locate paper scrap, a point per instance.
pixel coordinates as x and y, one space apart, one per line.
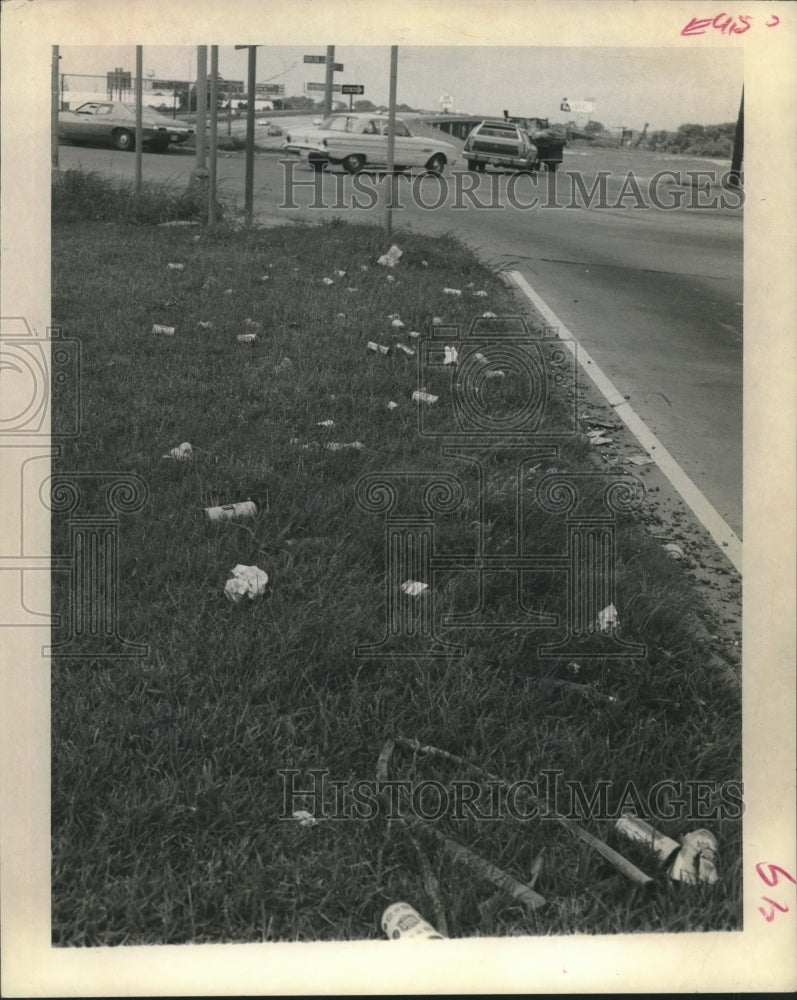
424 397
379 348
452 291
480 294
640 460
182 452
488 315
397 324
414 587
247 338
450 356
175 267
304 818
407 350
168 330
392 406
391 258
328 281
325 423
246 581
205 324
352 445
607 619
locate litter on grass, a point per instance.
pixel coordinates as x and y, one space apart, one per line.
640 460
424 397
407 350
175 267
697 859
437 320
638 830
181 453
328 281
415 334
325 423
205 324
349 446
424 263
228 291
340 274
304 818
232 511
607 619
674 551
352 290
397 324
392 406
378 348
413 588
450 357
390 278
402 921
598 438
480 357
452 291
246 581
495 373
363 267
488 315
265 277
246 338
480 295
391 258
167 330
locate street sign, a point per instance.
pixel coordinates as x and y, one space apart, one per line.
313 87
315 59
352 88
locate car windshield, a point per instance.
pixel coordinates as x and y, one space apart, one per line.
94 109
338 123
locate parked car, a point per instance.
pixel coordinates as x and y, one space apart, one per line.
549 140
359 140
115 122
500 144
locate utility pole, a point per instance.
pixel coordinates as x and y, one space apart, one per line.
139 113
734 177
329 78
391 140
199 175
250 131
54 109
214 132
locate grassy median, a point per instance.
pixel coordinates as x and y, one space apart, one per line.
167 801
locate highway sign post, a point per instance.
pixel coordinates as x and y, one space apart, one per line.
331 68
250 130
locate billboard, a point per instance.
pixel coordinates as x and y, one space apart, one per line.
585 106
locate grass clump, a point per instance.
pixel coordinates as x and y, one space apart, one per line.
81 195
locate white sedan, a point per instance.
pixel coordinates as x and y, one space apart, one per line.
359 140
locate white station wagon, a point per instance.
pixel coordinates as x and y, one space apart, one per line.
359 141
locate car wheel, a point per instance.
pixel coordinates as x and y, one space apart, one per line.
124 140
436 163
354 163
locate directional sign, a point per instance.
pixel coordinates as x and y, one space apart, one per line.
315 59
352 88
312 87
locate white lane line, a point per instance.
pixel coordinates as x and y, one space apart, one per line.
708 516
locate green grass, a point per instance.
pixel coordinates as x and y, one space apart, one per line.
165 789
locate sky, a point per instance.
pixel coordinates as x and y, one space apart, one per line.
663 86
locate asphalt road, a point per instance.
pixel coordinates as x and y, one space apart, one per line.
654 295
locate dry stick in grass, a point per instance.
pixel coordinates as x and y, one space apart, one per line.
620 863
483 868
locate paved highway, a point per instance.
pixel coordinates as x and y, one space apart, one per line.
655 296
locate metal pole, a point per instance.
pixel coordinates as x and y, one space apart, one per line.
229 112
139 112
329 78
391 139
54 108
214 132
250 135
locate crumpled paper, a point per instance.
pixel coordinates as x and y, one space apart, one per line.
391 258
414 588
246 581
181 453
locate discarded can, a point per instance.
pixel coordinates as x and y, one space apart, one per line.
247 338
232 511
480 295
175 267
328 281
400 920
407 350
637 829
451 357
424 397
168 330
347 446
325 423
452 291
697 859
379 348
673 551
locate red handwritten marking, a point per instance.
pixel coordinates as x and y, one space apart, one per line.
772 879
724 23
769 917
